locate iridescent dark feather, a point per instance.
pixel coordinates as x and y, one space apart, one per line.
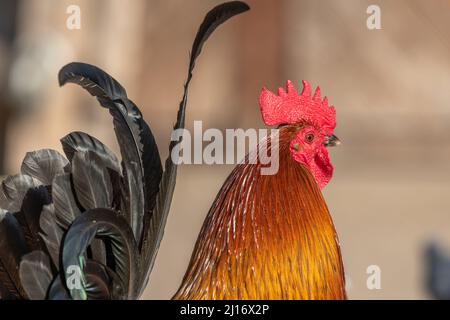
80 141
36 275
90 212
91 181
44 165
30 214
51 233
155 226
66 207
14 189
102 223
137 145
102 283
12 248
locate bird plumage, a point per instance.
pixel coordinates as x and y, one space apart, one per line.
89 226
267 237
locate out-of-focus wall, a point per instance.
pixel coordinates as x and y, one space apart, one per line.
390 89
8 23
389 86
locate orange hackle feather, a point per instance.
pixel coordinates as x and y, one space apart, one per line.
267 237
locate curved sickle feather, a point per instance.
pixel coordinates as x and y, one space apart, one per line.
102 283
154 228
101 223
143 169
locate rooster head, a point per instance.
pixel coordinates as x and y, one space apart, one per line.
314 121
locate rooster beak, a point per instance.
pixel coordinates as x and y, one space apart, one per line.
332 141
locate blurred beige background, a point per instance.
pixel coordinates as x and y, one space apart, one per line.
391 189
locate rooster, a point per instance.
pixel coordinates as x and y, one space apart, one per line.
88 226
271 236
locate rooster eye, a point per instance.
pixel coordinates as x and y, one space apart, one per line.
309 137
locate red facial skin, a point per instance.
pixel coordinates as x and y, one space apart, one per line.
308 149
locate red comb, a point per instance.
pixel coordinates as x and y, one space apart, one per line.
288 107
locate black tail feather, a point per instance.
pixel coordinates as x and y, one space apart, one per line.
66 206
92 212
102 223
51 233
36 274
12 248
155 227
140 154
80 141
44 165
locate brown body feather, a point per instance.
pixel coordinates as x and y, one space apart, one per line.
267 237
